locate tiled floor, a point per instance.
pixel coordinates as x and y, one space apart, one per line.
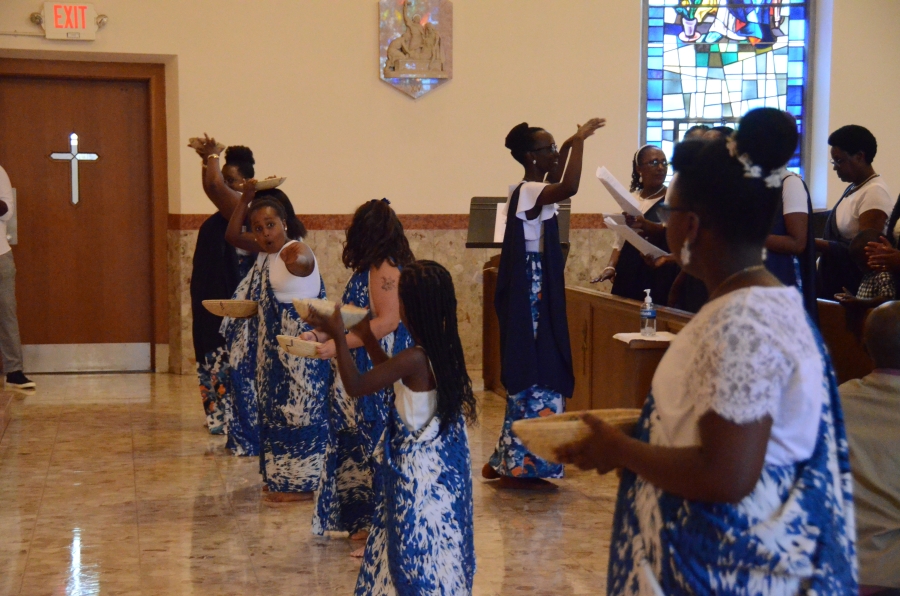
109 484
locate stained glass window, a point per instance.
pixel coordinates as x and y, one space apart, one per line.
710 61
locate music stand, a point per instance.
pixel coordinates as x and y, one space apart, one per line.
483 214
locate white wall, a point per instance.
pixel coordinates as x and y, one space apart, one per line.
298 82
865 81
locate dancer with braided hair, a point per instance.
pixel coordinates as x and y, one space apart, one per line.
421 540
535 357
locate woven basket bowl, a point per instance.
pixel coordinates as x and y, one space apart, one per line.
297 346
543 436
236 309
351 314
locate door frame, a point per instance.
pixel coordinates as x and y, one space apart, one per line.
155 77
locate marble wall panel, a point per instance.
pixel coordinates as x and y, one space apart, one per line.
588 255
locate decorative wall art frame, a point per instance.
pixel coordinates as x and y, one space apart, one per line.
415 44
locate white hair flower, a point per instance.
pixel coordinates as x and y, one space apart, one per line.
750 170
773 180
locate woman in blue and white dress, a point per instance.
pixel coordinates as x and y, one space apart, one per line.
376 250
292 391
737 479
535 357
421 540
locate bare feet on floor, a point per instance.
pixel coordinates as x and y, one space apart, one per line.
270 496
513 483
361 535
358 553
488 472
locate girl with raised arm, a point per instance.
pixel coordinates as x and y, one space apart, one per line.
215 275
421 540
536 361
292 391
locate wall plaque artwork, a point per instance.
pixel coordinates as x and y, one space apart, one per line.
416 44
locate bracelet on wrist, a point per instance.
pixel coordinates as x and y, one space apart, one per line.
316 335
609 267
212 155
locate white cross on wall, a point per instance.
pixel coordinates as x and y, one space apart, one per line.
74 157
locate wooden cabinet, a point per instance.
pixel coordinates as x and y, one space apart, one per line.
608 374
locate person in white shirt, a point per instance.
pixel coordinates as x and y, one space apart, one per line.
292 392
865 204
10 343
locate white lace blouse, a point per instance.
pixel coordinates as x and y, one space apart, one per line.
744 355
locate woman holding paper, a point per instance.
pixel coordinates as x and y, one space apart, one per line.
627 269
536 362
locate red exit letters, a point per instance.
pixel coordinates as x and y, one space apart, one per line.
69 16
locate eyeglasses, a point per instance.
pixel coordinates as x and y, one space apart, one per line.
837 162
664 211
552 148
656 163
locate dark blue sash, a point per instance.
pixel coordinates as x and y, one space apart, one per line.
526 360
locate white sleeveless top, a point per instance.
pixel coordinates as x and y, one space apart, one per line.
288 286
416 408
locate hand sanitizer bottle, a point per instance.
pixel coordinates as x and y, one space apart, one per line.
648 316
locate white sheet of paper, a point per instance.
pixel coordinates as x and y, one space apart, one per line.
627 202
661 336
642 245
500 223
616 217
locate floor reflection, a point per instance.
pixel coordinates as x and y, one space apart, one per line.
110 484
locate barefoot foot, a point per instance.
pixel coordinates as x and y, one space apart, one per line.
513 483
358 553
488 472
271 496
361 535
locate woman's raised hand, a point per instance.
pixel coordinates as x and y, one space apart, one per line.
590 127
249 191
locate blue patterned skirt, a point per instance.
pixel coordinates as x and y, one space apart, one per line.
421 541
213 375
241 411
345 501
293 398
793 534
511 458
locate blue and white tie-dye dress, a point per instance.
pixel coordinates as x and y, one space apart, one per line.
293 397
345 501
241 340
421 539
748 354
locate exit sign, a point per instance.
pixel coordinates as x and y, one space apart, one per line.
72 22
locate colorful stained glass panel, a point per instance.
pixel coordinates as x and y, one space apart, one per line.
710 61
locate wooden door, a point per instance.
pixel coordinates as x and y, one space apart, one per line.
84 279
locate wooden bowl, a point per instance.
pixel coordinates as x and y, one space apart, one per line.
297 346
351 314
269 183
543 436
236 309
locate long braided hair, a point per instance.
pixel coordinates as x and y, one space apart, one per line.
429 305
